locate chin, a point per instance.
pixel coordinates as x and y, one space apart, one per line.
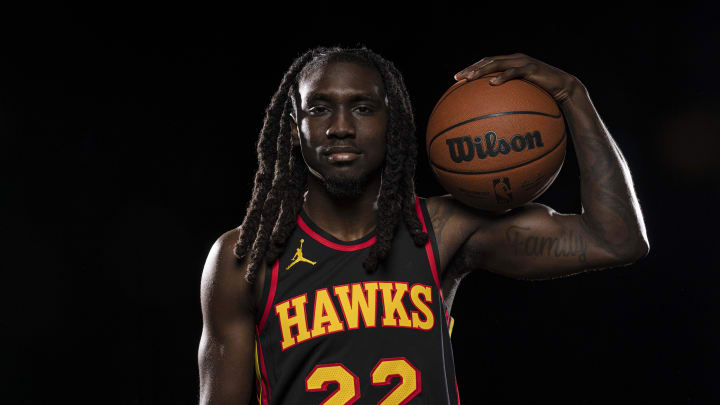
345 187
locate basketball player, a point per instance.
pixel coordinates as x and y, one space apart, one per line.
338 285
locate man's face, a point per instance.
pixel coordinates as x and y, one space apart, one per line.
341 122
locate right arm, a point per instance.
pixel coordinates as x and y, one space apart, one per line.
226 353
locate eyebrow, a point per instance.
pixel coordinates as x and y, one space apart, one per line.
353 98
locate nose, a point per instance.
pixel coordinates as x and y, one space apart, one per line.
341 126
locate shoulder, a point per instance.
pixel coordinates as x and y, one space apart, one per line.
453 223
446 210
221 257
223 284
222 268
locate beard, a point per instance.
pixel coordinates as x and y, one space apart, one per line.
345 187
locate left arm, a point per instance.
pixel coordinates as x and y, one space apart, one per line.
534 241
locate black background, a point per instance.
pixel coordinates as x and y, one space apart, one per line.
127 144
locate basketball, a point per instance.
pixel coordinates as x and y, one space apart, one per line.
496 147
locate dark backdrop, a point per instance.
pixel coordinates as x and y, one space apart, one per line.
127 144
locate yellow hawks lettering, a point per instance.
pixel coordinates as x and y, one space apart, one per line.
357 305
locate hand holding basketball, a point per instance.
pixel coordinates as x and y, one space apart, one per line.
559 84
496 147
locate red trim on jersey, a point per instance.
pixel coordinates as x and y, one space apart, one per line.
263 371
333 245
457 391
428 247
271 295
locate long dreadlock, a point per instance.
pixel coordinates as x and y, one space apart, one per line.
280 182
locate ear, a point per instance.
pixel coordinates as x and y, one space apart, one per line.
294 134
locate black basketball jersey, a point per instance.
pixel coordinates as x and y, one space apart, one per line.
331 333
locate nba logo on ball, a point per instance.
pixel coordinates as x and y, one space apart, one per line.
482 138
503 193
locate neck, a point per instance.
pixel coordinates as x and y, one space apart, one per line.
347 219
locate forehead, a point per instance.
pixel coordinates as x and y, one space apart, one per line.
341 79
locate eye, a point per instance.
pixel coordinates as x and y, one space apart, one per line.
317 109
364 109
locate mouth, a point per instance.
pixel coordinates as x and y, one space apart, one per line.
343 157
342 153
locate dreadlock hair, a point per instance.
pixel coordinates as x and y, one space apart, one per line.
280 182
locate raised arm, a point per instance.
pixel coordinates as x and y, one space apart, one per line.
534 241
226 352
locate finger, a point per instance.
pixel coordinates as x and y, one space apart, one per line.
493 66
482 63
488 59
519 72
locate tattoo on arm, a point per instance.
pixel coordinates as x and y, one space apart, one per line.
524 243
439 216
611 211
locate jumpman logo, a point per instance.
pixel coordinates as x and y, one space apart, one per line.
299 257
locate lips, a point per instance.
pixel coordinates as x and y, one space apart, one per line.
342 153
331 150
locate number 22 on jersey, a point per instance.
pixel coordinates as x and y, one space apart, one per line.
348 390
